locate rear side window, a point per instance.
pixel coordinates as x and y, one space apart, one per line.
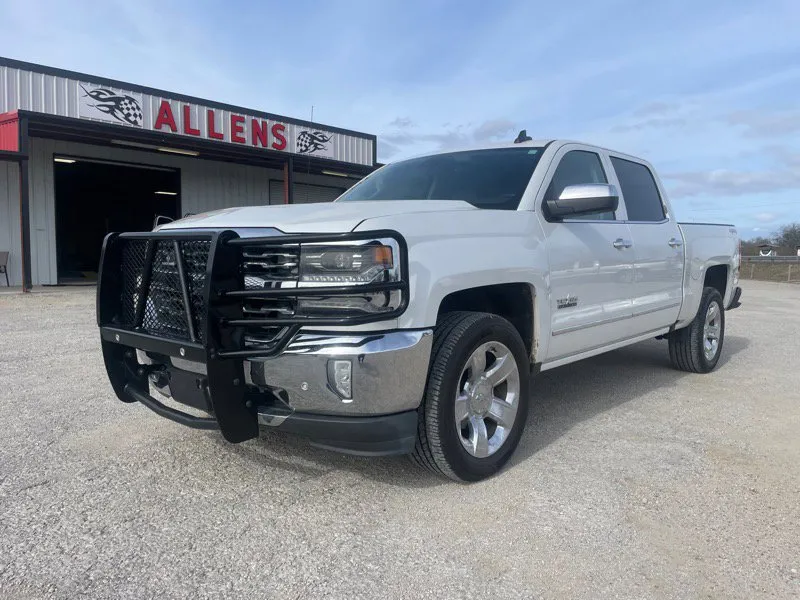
639 191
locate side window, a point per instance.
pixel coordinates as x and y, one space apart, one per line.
639 190
579 167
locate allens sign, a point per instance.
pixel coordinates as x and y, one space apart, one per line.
76 96
171 116
262 132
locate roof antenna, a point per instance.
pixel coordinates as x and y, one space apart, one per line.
523 137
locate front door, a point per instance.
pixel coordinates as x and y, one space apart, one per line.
591 264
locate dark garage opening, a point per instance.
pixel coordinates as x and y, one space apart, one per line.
94 198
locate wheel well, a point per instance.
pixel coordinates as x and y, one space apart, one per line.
512 301
717 277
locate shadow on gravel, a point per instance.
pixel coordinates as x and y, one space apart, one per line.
281 451
569 395
561 399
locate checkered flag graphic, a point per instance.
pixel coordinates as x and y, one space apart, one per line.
123 108
309 142
131 111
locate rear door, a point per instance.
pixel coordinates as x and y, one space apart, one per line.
658 251
591 262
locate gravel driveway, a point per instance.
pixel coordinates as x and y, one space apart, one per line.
631 481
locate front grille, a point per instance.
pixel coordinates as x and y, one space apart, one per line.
133 257
195 260
164 311
268 268
157 284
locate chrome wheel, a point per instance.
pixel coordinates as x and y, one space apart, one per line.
487 399
711 331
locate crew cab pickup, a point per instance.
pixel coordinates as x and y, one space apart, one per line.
409 316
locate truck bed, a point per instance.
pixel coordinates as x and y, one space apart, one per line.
706 244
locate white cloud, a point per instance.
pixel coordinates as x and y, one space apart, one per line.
663 122
732 183
762 124
404 139
402 123
658 108
493 129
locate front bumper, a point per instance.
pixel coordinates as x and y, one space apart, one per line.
291 392
388 372
181 318
381 435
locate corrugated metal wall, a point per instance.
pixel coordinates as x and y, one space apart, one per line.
308 194
9 219
37 92
205 185
22 89
43 212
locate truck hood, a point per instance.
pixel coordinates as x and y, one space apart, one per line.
313 218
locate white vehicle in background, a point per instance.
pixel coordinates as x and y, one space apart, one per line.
410 315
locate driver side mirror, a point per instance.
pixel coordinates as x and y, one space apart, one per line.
583 199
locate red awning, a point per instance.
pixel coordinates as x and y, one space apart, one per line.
9 132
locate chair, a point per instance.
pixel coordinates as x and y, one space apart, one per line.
4 265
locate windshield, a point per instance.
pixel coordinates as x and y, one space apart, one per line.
494 178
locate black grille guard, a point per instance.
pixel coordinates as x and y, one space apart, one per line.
217 336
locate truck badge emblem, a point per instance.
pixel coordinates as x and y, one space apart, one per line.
567 302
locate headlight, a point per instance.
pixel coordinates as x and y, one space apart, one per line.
350 264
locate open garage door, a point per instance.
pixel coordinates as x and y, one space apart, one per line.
304 193
95 197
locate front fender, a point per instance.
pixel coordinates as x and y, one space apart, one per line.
449 252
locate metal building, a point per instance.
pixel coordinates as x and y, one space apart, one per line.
82 155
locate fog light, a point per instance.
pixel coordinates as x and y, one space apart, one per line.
340 378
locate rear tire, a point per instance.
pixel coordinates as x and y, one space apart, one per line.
476 397
697 347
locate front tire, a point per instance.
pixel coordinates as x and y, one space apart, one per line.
476 398
697 347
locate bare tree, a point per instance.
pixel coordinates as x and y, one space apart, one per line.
788 237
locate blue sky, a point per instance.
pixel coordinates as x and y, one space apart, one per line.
706 90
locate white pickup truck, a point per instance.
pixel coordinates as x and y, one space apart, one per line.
410 315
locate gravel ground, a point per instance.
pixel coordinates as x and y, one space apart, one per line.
632 481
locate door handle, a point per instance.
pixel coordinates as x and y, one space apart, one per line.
619 243
675 243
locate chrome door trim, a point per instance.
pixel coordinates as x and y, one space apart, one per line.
563 359
655 310
614 319
572 328
661 222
